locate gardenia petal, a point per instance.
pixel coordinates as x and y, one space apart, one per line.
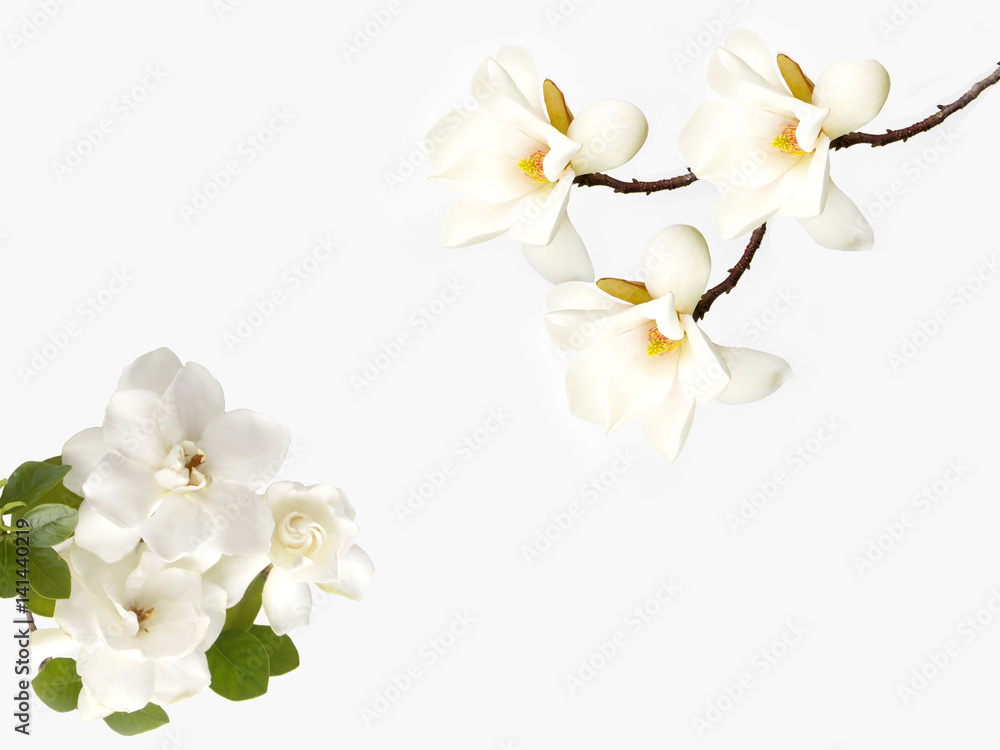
355 571
287 604
841 226
190 403
854 92
754 374
100 536
178 679
82 453
244 446
243 521
123 491
116 679
131 427
563 259
234 573
677 262
666 427
151 372
610 132
179 527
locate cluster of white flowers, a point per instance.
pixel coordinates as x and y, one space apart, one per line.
172 531
767 142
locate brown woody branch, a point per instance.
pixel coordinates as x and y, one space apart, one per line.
742 265
635 186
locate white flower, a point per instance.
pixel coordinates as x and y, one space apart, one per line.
515 159
769 141
648 357
143 628
171 467
312 543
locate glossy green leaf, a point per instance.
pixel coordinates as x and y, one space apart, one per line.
8 568
48 573
242 614
50 524
41 606
239 667
144 720
282 656
31 480
58 685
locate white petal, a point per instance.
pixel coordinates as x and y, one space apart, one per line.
121 490
49 643
96 534
754 374
702 371
749 47
813 175
841 226
519 64
287 604
537 216
563 259
810 125
177 679
354 571
82 452
577 295
610 132
470 221
854 92
132 429
192 400
666 427
746 162
243 521
115 679
741 210
715 121
488 176
151 372
463 130
234 573
178 527
639 386
677 262
588 378
589 309
731 78
89 710
244 446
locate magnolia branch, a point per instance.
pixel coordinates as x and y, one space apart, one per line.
742 265
943 113
635 186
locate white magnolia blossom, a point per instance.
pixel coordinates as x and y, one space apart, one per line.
143 627
312 543
768 139
172 467
515 158
649 358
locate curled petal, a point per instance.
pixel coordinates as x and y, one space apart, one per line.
287 604
82 453
677 262
538 216
563 259
519 64
854 92
754 374
610 132
666 427
841 226
470 221
151 372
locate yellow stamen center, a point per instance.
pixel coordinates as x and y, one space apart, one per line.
533 166
787 143
659 344
142 615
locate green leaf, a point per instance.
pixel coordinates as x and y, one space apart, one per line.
282 656
48 573
9 507
41 606
58 685
57 495
50 524
242 614
31 480
238 664
144 720
8 566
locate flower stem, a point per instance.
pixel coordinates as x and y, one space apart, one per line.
943 113
635 186
742 265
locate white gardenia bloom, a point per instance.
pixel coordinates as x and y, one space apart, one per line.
172 467
515 158
312 543
650 358
143 627
768 139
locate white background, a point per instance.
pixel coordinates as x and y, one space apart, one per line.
356 123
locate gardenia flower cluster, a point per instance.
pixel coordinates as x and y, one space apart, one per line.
172 530
767 142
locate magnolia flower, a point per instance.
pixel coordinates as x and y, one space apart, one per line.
143 627
515 160
644 355
171 467
312 543
768 140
